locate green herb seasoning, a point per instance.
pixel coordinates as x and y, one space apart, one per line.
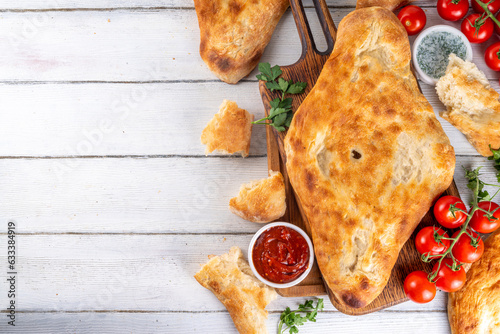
434 49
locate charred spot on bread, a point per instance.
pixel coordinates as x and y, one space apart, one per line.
356 155
351 300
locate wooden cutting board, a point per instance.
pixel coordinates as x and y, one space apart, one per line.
307 69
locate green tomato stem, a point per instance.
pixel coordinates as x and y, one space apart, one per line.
487 11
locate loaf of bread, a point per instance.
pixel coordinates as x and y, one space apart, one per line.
472 106
234 34
230 278
261 201
389 4
229 131
475 309
366 156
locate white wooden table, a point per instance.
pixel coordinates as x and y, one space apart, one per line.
102 104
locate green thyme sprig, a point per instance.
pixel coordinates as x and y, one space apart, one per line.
281 113
305 312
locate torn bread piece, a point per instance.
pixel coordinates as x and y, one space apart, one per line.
231 280
473 107
234 34
475 309
261 201
229 131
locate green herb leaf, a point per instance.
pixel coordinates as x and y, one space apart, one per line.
280 119
276 103
297 88
283 84
266 73
277 111
272 86
292 319
275 72
496 158
286 103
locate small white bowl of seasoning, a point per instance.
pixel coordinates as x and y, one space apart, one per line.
431 50
281 255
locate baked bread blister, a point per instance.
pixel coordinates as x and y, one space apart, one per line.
261 201
473 107
229 131
475 309
366 156
230 278
234 34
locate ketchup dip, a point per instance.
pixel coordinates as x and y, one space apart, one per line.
280 254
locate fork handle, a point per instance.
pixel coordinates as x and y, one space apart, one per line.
327 25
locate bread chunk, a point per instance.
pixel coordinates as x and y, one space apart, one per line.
366 156
231 280
473 107
234 34
229 131
475 309
261 201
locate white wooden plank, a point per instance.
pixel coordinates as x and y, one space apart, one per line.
134 119
110 4
174 195
118 119
132 45
216 323
57 273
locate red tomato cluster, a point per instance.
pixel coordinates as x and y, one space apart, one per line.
477 27
466 247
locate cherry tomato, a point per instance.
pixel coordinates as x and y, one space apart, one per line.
426 243
453 10
443 214
418 288
493 7
497 28
413 19
482 224
482 34
447 279
464 251
492 56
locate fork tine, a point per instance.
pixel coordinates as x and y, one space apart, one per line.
303 28
326 24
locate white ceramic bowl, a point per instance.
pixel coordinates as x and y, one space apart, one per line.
298 279
422 76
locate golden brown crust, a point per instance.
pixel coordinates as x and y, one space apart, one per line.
261 201
366 155
229 131
388 4
475 309
473 107
230 278
234 33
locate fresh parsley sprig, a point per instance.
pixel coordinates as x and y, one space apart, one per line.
281 113
496 159
289 320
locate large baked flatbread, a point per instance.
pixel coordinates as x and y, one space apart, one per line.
475 309
234 33
366 156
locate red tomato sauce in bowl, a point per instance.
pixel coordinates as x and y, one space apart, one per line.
280 254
